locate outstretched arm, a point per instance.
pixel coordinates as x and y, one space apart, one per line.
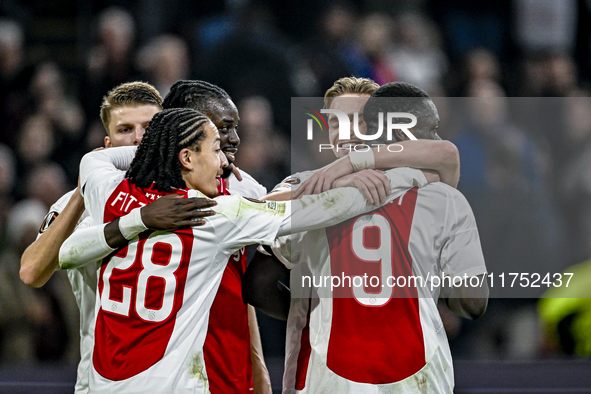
441 156
337 205
168 213
41 258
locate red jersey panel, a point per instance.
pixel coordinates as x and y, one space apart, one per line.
386 348
227 345
123 331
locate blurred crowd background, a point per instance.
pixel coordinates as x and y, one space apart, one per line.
530 186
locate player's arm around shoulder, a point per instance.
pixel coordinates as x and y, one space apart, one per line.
96 166
244 220
91 242
438 155
462 257
41 258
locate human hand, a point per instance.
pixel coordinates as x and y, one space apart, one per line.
374 184
173 212
323 179
236 173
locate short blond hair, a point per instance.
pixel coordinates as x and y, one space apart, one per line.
128 94
349 85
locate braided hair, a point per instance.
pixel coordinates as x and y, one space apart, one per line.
199 95
157 158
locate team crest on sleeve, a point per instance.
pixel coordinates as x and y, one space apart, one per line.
47 221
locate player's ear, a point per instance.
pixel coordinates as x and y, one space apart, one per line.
108 142
185 159
400 136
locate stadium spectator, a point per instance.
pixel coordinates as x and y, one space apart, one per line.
111 61
258 128
164 60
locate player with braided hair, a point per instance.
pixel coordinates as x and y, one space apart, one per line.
214 102
194 94
154 162
155 292
125 112
233 328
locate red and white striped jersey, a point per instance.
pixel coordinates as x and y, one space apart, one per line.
154 295
376 337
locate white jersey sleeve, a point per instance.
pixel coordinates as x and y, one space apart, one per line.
461 253
100 171
337 205
55 210
247 187
85 245
96 166
245 221
292 182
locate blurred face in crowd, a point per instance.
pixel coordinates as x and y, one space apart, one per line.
349 103
128 124
224 116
